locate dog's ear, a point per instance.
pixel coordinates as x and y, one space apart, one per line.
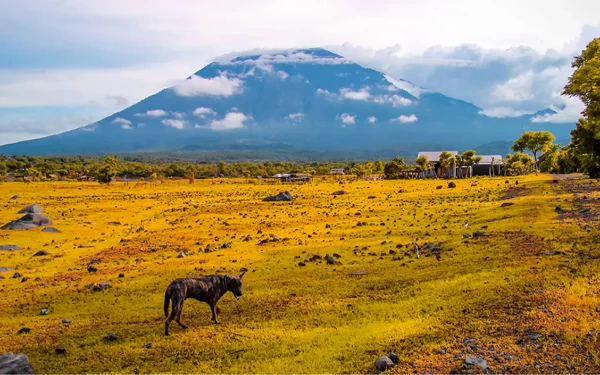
242 274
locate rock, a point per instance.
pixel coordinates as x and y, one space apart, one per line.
476 361
92 269
140 229
559 210
506 182
329 259
100 287
506 204
394 357
60 350
121 275
15 364
451 185
181 255
148 346
383 363
29 221
554 252
473 184
285 196
534 335
15 197
4 269
301 264
111 337
17 275
9 247
439 187
31 209
24 330
340 192
66 322
41 253
50 230
226 245
466 235
478 234
114 222
248 238
440 352
371 197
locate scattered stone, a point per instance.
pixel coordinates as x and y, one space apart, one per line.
44 311
248 238
478 234
371 197
439 187
440 352
283 196
111 337
451 185
29 221
15 364
506 182
51 230
473 184
92 269
466 235
554 252
31 209
9 247
60 350
394 357
301 264
559 210
329 259
383 363
476 361
340 192
114 222
226 245
148 345
4 269
506 204
66 322
121 275
41 253
140 229
17 275
15 197
534 335
24 330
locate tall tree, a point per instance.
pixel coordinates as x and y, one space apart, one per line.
423 163
535 142
584 84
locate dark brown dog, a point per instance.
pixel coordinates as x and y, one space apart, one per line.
207 289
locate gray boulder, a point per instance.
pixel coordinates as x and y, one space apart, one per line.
32 209
41 253
383 363
9 247
285 196
51 230
29 221
340 192
15 364
476 361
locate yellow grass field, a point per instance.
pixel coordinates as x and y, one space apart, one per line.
525 297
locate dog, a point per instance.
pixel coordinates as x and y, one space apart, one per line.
207 289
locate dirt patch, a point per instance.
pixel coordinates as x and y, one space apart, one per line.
514 192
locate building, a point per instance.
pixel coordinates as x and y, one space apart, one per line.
337 171
292 177
436 169
490 165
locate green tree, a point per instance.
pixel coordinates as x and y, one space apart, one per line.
108 171
423 163
535 142
446 160
394 168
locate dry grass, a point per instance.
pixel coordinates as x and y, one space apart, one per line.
314 319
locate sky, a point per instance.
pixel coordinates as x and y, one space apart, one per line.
69 63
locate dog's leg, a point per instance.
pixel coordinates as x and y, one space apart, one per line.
218 310
178 318
214 309
176 308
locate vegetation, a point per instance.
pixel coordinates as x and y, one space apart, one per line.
535 142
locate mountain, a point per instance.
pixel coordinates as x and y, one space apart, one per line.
308 99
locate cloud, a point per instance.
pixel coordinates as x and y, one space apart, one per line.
121 121
152 113
502 112
177 124
296 117
518 88
216 86
406 119
326 93
178 115
401 84
372 119
568 112
231 121
395 100
279 56
346 119
117 100
202 112
283 75
126 127
362 94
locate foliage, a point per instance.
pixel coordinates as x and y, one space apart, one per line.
423 163
535 142
393 169
584 84
518 163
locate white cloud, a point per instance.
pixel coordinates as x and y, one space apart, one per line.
502 112
406 119
283 75
177 124
346 119
275 56
296 117
518 88
568 112
152 113
326 93
372 119
202 112
395 100
409 87
362 94
121 121
126 127
231 121
178 115
216 86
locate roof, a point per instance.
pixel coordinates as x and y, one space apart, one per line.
435 155
487 159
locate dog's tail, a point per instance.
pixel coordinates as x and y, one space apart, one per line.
167 301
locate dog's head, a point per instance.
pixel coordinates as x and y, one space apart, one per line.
234 285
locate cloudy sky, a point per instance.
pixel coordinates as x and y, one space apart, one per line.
69 63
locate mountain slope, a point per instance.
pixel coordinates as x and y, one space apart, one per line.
304 99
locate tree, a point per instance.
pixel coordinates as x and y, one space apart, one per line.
423 163
535 142
446 160
394 168
108 171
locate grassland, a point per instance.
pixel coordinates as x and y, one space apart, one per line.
489 297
